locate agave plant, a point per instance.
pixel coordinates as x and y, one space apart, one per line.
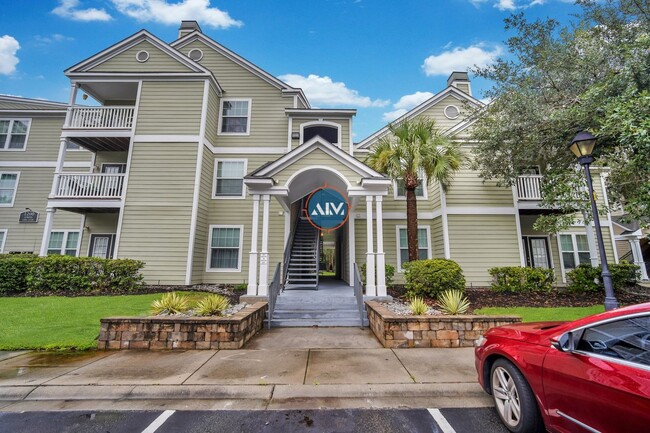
170 303
212 305
453 302
418 306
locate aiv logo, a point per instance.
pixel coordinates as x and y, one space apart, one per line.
326 208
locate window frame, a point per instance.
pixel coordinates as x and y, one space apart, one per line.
64 242
425 190
528 252
399 255
13 199
241 247
327 123
215 180
248 116
575 251
3 241
4 147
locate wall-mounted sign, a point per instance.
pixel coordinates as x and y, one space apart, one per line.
29 216
327 208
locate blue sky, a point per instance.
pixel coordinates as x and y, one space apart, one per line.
381 57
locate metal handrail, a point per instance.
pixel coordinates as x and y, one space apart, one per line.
318 252
287 254
274 290
358 291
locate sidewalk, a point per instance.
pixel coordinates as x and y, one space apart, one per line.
284 368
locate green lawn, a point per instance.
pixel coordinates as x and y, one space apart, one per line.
54 322
532 314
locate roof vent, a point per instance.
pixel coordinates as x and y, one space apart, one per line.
460 80
188 27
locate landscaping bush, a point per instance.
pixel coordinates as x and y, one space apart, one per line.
68 275
388 269
453 302
586 278
430 277
518 279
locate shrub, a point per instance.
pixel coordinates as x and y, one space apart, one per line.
14 269
586 278
241 287
418 306
519 279
388 269
430 277
212 305
453 302
170 303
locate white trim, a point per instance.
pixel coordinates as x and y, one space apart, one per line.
351 141
522 252
399 256
574 242
250 150
351 247
4 146
609 219
425 191
317 167
249 118
197 186
214 179
321 122
444 111
3 240
189 54
445 224
241 247
164 138
290 129
137 56
13 199
551 263
64 242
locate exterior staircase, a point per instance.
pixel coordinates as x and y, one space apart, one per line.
302 271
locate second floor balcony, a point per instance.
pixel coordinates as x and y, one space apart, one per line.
101 118
529 187
88 186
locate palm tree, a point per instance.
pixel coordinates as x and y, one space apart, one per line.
413 149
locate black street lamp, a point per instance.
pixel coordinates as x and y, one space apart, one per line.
582 146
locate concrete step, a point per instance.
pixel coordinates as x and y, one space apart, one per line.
315 315
316 322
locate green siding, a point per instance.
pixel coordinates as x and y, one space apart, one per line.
202 217
317 157
468 189
212 117
437 237
170 107
159 61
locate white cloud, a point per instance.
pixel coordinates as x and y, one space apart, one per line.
392 115
505 5
55 37
324 91
69 9
459 59
8 59
161 11
405 103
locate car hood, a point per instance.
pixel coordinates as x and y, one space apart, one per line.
533 332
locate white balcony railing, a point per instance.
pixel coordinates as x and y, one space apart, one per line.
529 187
101 117
89 185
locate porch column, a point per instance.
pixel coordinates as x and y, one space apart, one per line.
263 288
637 254
59 166
252 258
49 220
371 289
381 258
591 240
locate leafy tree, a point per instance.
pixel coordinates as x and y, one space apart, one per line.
593 74
412 149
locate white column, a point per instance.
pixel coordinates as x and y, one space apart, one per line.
371 289
49 219
263 288
252 258
591 240
637 254
71 102
59 166
381 258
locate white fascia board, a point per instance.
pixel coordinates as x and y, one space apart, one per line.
258 182
319 112
61 203
42 164
294 91
33 113
20 99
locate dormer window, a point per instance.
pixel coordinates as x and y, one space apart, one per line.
235 116
327 132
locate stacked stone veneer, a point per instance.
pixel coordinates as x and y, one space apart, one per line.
395 331
181 333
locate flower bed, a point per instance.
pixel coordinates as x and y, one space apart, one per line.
398 331
182 332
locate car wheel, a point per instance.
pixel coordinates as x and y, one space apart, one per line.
513 399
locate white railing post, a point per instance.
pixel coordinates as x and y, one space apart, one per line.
529 187
101 117
88 185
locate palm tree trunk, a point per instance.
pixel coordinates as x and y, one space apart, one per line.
412 223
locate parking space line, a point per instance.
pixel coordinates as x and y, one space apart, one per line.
155 425
442 421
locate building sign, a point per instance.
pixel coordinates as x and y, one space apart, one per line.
29 216
326 208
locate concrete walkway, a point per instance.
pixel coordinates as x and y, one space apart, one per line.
284 368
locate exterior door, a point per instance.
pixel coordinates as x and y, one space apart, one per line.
537 252
101 246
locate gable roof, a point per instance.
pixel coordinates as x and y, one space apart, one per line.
20 103
236 58
414 112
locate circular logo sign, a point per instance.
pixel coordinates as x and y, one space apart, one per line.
327 208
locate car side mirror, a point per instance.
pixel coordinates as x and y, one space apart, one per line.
565 343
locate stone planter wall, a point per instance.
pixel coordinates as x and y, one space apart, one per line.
182 333
395 331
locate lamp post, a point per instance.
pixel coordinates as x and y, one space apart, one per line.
582 146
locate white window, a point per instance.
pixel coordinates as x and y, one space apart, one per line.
329 131
229 178
73 146
3 239
13 133
64 243
400 191
8 188
225 251
235 116
575 250
424 247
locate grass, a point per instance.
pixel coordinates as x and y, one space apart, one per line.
61 323
542 314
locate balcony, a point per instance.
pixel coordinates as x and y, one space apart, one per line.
106 128
529 187
89 185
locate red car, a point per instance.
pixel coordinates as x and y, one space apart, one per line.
590 375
